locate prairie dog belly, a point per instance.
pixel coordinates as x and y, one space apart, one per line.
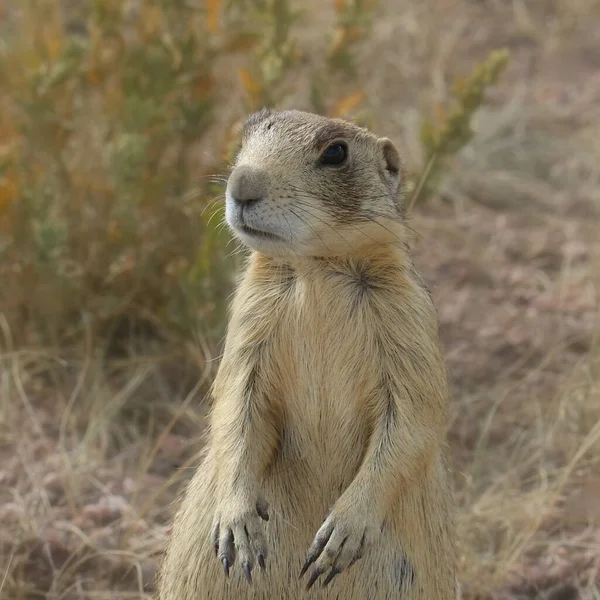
326 422
319 455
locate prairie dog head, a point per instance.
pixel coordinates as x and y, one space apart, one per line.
306 185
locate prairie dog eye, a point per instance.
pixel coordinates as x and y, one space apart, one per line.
335 154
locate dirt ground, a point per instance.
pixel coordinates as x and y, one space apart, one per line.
95 454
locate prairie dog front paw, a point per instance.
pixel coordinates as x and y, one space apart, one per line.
238 529
339 543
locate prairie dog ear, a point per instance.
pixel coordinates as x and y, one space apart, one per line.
390 156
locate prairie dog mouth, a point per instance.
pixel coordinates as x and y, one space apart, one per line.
237 218
258 234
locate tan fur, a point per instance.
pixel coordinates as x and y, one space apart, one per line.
331 398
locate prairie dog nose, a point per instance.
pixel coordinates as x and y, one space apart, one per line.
247 184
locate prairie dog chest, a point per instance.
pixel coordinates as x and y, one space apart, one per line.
328 345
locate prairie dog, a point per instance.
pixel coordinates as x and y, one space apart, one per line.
324 473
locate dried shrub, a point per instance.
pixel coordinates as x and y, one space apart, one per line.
106 219
447 133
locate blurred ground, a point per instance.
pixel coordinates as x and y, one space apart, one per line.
92 455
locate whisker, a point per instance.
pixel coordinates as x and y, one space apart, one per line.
221 227
192 194
289 226
215 213
239 249
231 241
211 204
214 177
373 214
311 228
369 218
376 242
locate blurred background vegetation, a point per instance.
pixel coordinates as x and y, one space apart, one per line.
118 123
112 149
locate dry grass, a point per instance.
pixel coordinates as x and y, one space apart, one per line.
93 451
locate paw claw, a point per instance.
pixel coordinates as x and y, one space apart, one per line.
334 571
338 544
242 536
261 509
314 576
309 561
215 539
247 572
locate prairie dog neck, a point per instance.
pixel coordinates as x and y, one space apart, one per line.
357 265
